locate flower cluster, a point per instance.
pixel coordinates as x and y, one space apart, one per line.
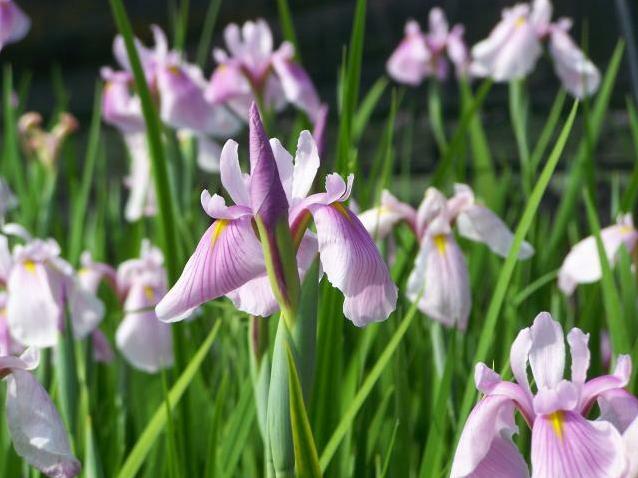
510 51
439 282
565 443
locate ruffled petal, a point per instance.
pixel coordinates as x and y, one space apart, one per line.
33 310
215 207
485 449
547 353
618 407
353 265
566 445
605 383
582 264
478 223
440 278
577 73
227 256
511 50
36 428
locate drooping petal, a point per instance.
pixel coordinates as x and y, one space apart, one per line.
353 265
582 264
547 353
182 102
120 108
605 383
227 256
33 311
409 62
566 445
577 73
215 207
511 50
485 449
36 428
267 196
440 278
143 340
297 86
480 224
14 23
618 407
541 16
490 383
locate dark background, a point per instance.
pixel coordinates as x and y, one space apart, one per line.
75 37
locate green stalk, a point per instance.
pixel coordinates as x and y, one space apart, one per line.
167 217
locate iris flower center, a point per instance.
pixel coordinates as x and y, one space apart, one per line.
29 266
440 242
557 419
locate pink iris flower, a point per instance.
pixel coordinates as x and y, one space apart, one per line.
565 443
515 44
251 67
14 23
90 275
582 264
229 259
440 278
144 341
179 88
421 55
41 286
35 426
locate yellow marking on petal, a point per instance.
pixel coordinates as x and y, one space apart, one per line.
174 70
149 293
218 228
440 242
520 21
30 266
341 209
557 420
624 230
